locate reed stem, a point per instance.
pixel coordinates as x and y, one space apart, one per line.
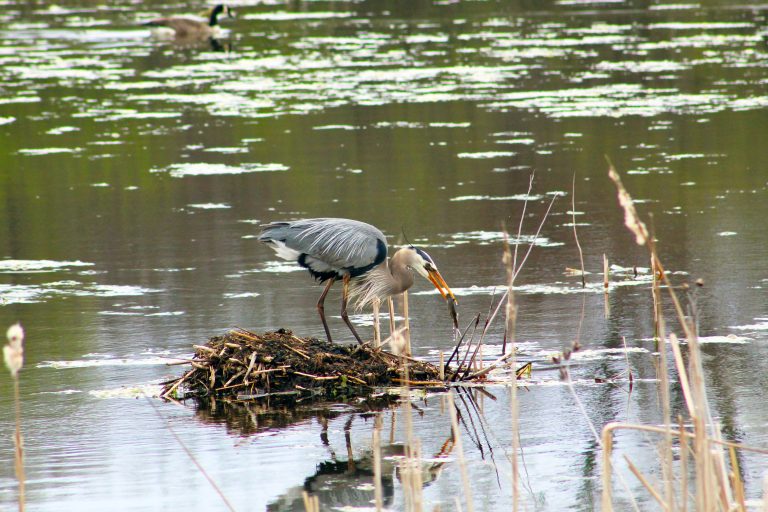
391 304
377 486
575 234
460 453
18 442
407 324
376 323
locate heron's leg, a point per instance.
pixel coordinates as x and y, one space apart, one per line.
344 297
321 307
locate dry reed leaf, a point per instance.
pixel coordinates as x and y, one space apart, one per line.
631 218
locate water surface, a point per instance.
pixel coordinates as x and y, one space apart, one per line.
135 174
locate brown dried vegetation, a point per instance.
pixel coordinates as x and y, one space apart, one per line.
246 365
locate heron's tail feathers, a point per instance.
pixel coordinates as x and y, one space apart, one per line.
275 234
283 251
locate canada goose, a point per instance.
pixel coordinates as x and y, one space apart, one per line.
188 28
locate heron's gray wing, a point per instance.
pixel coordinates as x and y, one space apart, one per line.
339 243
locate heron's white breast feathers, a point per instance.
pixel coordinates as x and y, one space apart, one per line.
376 284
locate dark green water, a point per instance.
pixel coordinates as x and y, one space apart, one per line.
135 173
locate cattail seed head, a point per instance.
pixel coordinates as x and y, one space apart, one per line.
15 335
13 352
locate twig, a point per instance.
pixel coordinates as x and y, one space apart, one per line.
460 453
433 383
250 366
459 366
575 235
177 383
315 377
407 323
376 323
296 351
522 219
377 487
355 379
535 238
458 344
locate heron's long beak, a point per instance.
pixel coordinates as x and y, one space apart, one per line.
436 279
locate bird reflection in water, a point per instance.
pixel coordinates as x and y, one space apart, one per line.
349 482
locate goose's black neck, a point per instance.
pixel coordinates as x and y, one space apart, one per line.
214 20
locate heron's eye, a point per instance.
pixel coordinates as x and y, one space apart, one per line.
429 267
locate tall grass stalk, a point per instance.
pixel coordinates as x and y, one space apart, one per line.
663 375
522 219
514 409
460 454
376 323
410 465
765 493
377 485
13 354
391 304
575 234
407 323
715 486
311 503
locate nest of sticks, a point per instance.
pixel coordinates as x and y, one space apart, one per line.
246 366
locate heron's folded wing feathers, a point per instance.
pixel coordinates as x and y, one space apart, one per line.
340 243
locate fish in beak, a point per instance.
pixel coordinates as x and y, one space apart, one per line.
437 280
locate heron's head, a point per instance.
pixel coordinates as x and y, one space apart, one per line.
423 264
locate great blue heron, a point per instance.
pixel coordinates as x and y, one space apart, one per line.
187 28
354 252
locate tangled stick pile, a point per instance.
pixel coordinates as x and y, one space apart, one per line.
246 365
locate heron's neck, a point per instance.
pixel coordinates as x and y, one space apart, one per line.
389 278
401 276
